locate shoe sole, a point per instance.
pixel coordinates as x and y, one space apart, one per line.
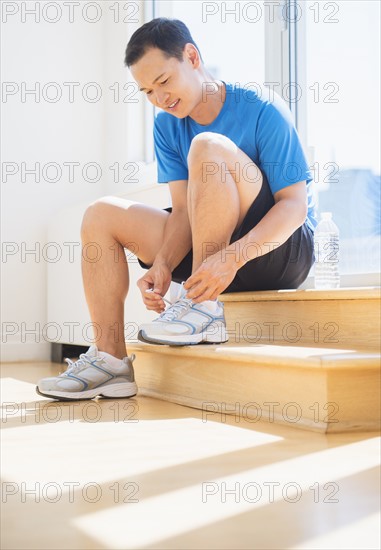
192 340
115 391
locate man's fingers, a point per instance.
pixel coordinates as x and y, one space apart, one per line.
143 284
206 294
193 280
153 304
204 290
153 301
201 297
152 296
155 308
197 289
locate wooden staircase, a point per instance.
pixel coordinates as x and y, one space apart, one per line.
305 358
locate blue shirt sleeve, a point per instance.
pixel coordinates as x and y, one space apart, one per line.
281 154
169 164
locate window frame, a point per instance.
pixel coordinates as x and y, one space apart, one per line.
149 12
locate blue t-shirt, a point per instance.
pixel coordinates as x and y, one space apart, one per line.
263 129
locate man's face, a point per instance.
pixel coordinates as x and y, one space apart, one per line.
171 85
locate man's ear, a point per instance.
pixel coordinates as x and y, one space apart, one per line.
192 55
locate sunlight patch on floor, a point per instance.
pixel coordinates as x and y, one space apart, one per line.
179 512
358 534
132 440
283 351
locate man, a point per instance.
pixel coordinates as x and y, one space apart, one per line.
241 218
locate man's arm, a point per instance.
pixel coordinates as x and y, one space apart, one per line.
177 234
177 242
281 221
217 272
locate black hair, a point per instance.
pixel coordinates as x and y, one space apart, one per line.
169 35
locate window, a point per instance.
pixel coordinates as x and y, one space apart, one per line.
325 58
341 111
230 36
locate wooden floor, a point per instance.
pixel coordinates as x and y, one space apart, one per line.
143 473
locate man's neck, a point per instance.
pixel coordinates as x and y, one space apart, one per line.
213 99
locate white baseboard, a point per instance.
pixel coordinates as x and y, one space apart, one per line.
11 352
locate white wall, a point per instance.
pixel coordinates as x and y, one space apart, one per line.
102 132
68 318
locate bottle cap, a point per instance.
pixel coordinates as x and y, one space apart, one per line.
326 215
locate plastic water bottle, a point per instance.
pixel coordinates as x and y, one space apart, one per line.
326 241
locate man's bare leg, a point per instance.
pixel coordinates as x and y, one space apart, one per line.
223 183
218 200
114 224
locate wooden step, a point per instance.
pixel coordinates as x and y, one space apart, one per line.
315 388
320 318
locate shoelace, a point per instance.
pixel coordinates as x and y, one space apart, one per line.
74 366
170 314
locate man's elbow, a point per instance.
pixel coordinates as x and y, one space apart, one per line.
295 201
298 211
303 212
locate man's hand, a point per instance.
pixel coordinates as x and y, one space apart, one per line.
154 286
212 277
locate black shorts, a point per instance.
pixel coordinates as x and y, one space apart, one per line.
285 267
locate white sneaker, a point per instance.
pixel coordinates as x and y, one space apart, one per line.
90 376
185 323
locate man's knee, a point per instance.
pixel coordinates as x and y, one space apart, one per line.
216 155
208 145
210 152
100 212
